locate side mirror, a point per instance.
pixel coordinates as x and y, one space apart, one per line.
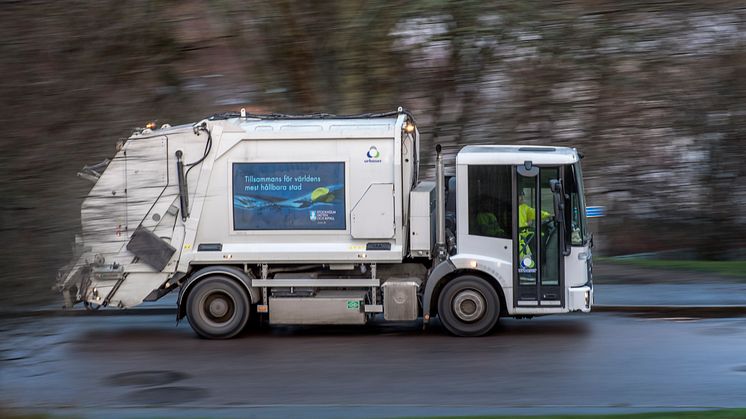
559 203
558 194
555 185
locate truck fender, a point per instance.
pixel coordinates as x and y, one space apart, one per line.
433 279
230 271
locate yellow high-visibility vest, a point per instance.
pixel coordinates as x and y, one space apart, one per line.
526 214
488 225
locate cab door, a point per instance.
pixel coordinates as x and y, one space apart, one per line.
538 263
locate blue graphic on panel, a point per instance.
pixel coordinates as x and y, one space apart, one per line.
289 196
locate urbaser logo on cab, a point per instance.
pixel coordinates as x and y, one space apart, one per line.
373 155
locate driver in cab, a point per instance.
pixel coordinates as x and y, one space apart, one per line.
526 219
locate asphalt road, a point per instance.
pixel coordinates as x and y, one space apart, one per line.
601 362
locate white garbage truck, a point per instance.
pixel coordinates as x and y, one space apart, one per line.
323 219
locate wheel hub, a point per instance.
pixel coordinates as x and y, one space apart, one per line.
469 305
218 307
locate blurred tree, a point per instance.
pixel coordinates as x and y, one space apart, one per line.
653 92
74 77
321 56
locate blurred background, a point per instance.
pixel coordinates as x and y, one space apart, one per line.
653 93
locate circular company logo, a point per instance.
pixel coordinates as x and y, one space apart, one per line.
373 153
527 262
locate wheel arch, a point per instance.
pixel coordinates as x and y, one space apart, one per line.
232 272
440 277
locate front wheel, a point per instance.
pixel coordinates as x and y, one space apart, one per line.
468 306
217 308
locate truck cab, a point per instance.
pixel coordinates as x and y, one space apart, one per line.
520 225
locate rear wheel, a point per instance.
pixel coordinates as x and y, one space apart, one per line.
217 308
468 306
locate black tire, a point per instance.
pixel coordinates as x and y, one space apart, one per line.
218 308
468 306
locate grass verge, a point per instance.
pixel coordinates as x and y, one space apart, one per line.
702 414
736 268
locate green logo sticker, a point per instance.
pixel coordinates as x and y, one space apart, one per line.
353 305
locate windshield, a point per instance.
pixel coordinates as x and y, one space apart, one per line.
576 192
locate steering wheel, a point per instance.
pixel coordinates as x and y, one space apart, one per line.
548 224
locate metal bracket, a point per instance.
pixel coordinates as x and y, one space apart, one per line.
113 291
373 290
373 308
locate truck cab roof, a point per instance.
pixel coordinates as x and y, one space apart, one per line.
513 154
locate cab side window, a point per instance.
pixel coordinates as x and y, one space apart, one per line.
490 207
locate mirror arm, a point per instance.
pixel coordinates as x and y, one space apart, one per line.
559 212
